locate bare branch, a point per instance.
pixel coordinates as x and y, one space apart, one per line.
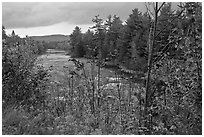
163 51
148 10
160 7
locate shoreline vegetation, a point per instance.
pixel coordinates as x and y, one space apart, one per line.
143 77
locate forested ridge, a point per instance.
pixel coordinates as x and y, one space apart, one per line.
156 58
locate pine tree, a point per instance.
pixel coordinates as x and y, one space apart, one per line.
114 33
89 45
135 31
77 43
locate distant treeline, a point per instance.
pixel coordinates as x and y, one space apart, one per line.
53 41
60 45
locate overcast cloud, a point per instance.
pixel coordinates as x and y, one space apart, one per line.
25 15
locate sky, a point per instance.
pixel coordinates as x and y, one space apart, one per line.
46 18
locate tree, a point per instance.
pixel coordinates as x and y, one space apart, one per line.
99 37
100 32
113 34
89 46
175 98
151 44
77 43
134 40
106 44
21 84
165 25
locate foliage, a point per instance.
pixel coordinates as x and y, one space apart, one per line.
76 43
22 83
86 102
134 39
62 45
176 100
89 45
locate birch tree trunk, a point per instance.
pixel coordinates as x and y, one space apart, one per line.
150 47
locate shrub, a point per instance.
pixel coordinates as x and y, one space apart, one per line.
21 83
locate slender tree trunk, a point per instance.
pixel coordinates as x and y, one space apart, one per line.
99 67
93 88
151 46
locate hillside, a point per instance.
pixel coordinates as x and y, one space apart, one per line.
51 38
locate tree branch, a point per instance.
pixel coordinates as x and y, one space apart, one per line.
166 25
163 51
148 10
160 7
